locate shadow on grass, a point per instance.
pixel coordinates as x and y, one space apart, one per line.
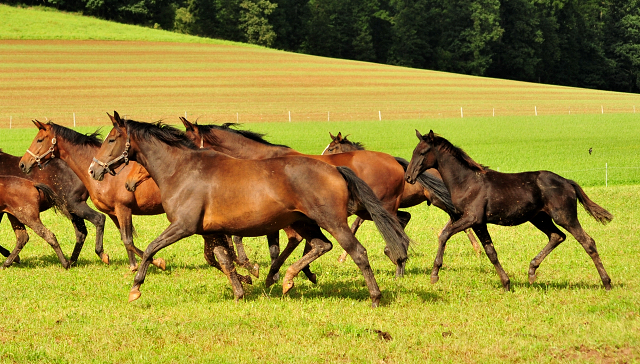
562 285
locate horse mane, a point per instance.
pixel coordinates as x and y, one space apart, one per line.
76 138
445 146
206 134
160 131
357 145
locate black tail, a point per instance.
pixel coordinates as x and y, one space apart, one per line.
388 224
596 211
435 186
54 200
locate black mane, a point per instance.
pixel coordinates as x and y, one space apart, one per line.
445 146
206 134
76 138
357 145
160 131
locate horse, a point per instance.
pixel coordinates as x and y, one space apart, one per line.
197 186
482 196
23 200
414 194
110 197
72 194
379 170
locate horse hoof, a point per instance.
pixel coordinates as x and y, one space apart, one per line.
160 263
66 265
313 278
269 281
133 268
507 286
255 271
134 294
105 258
434 279
532 279
286 286
375 302
17 260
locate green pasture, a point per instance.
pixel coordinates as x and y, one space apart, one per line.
187 313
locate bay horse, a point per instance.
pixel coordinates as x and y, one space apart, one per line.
414 194
197 186
482 196
110 197
72 194
379 170
23 200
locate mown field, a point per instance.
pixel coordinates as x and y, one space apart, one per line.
53 65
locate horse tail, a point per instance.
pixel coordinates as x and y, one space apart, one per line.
434 185
58 204
361 194
596 211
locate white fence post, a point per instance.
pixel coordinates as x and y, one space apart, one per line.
74 120
379 115
461 114
289 116
535 108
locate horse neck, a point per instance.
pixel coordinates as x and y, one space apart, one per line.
159 159
241 147
9 165
454 173
77 157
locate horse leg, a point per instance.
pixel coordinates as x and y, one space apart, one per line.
474 242
273 240
21 240
485 238
170 235
448 230
221 252
280 259
97 219
354 229
544 223
36 225
81 234
359 255
4 251
589 246
404 218
242 259
319 245
126 224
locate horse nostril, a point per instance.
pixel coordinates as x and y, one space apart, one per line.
22 166
90 172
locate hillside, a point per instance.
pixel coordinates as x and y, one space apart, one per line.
55 64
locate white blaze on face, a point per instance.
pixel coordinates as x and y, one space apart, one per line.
325 149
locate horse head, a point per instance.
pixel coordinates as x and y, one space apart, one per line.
42 148
423 157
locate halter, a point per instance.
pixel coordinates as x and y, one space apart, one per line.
38 158
124 155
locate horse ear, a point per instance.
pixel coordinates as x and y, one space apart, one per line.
332 137
38 124
431 135
117 121
187 123
339 136
419 135
345 137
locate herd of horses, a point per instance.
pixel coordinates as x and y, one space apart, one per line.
225 183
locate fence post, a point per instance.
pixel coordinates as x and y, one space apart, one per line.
289 116
74 120
461 114
535 108
379 115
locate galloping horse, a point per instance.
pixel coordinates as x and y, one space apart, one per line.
414 194
483 196
110 197
72 194
198 186
23 200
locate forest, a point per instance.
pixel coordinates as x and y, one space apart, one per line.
584 43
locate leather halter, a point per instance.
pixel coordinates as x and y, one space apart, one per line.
38 158
124 155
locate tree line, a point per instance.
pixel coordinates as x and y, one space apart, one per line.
584 43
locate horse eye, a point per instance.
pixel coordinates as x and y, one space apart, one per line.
40 140
112 140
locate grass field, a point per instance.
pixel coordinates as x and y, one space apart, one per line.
54 64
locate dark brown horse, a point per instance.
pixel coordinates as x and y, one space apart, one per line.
482 196
414 194
72 194
23 200
198 186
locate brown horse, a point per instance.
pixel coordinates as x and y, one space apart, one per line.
379 170
72 194
23 200
110 197
414 194
482 196
269 194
